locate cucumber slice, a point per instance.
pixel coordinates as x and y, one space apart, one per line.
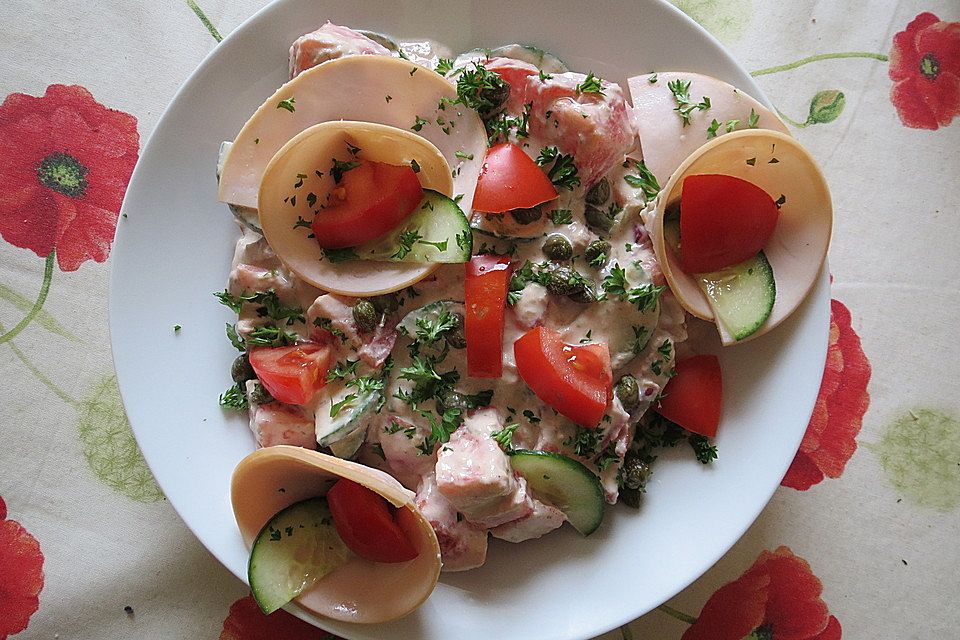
385 41
348 414
542 60
428 312
565 483
437 231
297 547
741 296
348 446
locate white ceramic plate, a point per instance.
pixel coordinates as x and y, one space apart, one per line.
174 248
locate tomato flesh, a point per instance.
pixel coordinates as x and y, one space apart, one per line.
510 179
370 200
292 374
576 380
723 221
485 298
366 525
694 397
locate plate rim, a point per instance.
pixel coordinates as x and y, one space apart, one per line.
820 288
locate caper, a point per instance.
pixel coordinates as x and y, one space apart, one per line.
635 473
557 247
450 399
526 216
455 336
628 393
599 193
241 371
260 395
365 315
598 219
385 303
596 253
586 295
563 281
492 97
630 497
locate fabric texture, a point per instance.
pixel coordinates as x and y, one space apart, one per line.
858 542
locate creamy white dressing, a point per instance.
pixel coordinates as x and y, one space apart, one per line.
641 343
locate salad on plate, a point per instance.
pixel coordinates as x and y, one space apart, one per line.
462 287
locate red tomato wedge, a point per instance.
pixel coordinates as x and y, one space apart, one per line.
723 221
370 200
693 398
510 179
485 298
576 380
292 374
365 523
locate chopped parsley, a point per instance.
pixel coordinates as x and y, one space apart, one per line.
287 104
342 370
234 398
504 437
590 84
644 296
561 216
500 126
270 305
270 336
412 237
339 168
702 448
562 171
176 328
234 338
645 181
481 90
544 76
782 200
685 106
444 66
340 255
418 123
652 79
584 442
754 120
463 156
415 165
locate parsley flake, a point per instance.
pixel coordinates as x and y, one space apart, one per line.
590 84
287 104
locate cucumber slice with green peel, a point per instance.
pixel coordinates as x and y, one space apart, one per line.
565 483
297 547
348 406
436 231
348 446
540 58
741 296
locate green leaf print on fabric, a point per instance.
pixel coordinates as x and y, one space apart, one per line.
920 453
108 443
43 318
726 19
205 20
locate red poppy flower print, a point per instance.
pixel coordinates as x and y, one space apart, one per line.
21 575
246 622
925 69
830 439
65 161
778 598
